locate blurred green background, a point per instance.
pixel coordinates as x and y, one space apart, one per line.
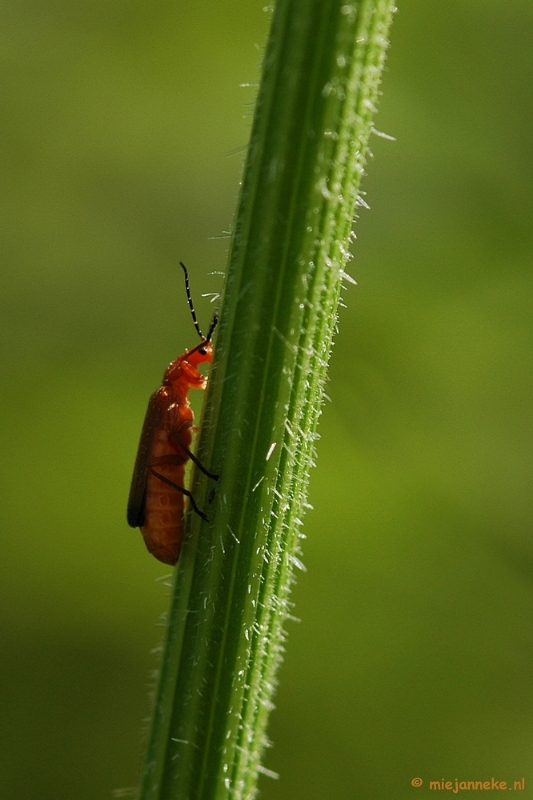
122 124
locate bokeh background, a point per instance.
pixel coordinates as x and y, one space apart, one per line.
122 131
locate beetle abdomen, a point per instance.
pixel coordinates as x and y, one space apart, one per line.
163 509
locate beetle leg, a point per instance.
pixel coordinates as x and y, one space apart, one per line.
199 463
175 439
179 460
183 491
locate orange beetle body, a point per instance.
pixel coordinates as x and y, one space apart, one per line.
157 495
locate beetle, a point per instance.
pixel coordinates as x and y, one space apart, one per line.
157 496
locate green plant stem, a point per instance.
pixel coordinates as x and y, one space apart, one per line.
290 246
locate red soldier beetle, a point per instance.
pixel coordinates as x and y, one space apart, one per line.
157 495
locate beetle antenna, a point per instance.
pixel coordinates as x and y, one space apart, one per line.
212 327
191 305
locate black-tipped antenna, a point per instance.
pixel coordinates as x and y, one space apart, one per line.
191 306
212 327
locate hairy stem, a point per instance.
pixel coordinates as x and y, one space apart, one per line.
290 247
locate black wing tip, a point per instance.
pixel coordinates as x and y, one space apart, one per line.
135 517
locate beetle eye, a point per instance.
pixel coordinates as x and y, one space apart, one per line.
202 351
